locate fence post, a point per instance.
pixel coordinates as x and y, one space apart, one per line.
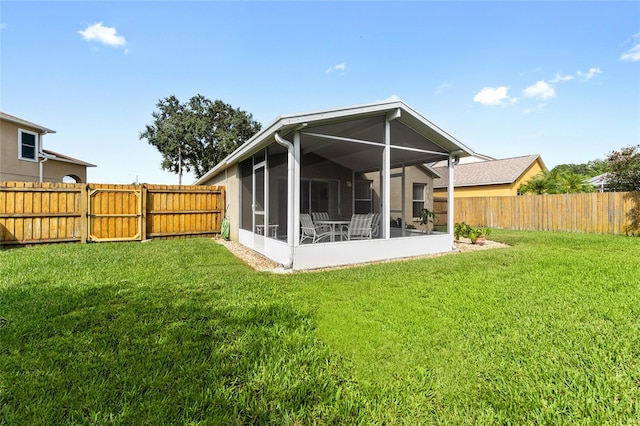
143 212
84 214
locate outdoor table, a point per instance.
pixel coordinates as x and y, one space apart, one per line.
332 223
272 229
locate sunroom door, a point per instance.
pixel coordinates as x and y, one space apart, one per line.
259 197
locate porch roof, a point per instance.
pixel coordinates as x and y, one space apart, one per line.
361 122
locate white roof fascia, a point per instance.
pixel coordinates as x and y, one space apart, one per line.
432 170
22 122
65 160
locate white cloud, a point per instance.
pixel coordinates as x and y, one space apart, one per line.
3 25
443 88
337 67
589 74
560 78
540 90
537 109
633 54
493 96
101 34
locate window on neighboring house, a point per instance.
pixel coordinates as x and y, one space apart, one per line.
418 198
28 145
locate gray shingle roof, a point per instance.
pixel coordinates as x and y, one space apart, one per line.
492 172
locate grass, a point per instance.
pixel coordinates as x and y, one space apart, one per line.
181 332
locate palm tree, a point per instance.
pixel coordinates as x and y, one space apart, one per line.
543 183
571 183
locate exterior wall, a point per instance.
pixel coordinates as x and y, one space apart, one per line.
502 190
533 170
413 174
314 167
230 179
12 168
55 171
479 191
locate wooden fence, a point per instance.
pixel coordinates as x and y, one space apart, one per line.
57 212
600 213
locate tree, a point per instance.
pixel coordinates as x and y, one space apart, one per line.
557 181
197 135
570 182
625 169
543 183
588 170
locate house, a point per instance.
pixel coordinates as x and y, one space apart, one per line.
410 192
361 159
599 181
23 158
475 158
500 177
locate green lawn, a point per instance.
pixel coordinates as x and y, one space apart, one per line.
182 332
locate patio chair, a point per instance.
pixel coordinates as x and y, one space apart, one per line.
316 216
375 225
309 231
359 228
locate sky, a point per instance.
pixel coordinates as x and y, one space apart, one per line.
510 78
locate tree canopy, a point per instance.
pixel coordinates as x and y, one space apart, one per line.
624 167
557 181
589 169
198 134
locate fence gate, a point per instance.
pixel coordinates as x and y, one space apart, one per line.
115 214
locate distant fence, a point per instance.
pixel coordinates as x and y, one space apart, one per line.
440 210
600 213
57 212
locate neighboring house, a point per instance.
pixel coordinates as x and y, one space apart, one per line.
406 203
341 161
599 181
475 158
22 157
489 178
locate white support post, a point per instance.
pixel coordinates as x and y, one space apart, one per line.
450 200
386 180
403 202
295 208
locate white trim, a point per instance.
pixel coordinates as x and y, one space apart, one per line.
386 182
450 195
36 148
321 255
19 121
65 160
341 139
294 210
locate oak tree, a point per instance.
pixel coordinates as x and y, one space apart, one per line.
198 134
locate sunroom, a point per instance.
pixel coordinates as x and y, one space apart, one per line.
338 168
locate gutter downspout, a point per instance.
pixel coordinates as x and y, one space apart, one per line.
41 163
43 157
290 171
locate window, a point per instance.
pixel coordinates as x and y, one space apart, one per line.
418 198
320 195
363 197
27 145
